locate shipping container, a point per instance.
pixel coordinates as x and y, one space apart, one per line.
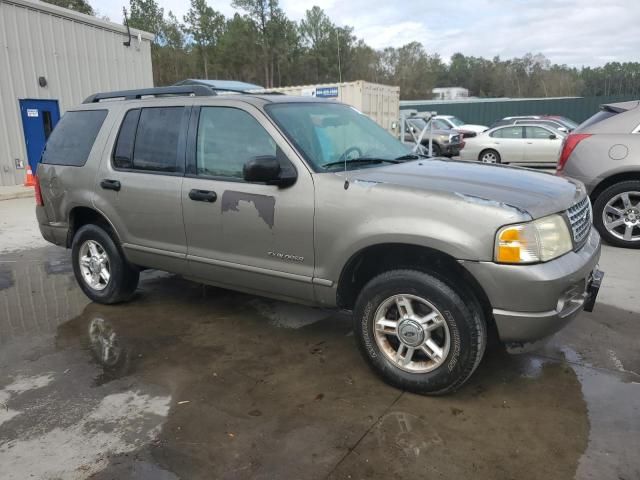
380 102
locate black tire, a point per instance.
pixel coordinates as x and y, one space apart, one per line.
467 327
490 151
598 210
436 151
124 277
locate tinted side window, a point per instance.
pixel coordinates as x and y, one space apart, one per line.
72 139
157 139
227 139
596 118
123 153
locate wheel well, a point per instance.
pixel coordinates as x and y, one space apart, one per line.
487 150
372 261
80 216
612 180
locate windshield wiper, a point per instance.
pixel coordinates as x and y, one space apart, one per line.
361 160
411 156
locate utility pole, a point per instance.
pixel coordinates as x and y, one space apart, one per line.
339 67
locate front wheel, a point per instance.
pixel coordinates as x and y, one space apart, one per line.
100 268
489 156
616 214
418 333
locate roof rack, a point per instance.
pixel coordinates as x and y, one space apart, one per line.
184 90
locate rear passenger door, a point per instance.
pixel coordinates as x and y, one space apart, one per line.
139 186
249 236
509 143
542 145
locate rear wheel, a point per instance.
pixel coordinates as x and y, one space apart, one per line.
436 151
418 333
489 156
616 214
101 270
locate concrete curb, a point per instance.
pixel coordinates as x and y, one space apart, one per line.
10 193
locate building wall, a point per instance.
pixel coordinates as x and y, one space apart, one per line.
487 111
77 54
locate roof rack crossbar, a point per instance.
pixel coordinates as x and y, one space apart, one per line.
194 90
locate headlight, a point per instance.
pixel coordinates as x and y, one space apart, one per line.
538 241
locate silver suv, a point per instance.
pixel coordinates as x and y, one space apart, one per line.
310 201
604 153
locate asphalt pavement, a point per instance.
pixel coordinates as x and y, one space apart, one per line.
194 382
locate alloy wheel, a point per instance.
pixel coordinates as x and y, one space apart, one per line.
621 216
412 333
489 157
94 265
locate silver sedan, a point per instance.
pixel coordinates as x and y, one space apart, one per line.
535 145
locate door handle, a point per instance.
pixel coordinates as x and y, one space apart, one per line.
203 195
110 184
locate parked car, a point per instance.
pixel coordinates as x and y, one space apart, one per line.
445 143
562 124
456 123
604 153
528 144
311 201
440 124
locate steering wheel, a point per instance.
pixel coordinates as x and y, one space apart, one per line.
345 154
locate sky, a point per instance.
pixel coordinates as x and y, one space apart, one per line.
573 32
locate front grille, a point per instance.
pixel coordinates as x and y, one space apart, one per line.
580 220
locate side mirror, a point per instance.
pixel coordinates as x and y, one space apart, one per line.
266 169
553 136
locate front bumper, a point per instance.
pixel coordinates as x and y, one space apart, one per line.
452 149
531 302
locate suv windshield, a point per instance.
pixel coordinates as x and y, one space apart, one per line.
330 135
455 121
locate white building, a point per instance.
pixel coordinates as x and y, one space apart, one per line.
449 93
51 58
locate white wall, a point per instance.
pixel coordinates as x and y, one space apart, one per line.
77 54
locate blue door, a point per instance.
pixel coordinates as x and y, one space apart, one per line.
38 119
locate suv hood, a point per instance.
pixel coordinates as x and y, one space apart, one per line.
535 193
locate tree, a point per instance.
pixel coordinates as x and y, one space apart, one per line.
205 25
148 16
267 18
81 6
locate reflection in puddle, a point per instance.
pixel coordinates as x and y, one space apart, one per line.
613 406
406 432
108 350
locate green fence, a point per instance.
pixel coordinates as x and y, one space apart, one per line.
485 111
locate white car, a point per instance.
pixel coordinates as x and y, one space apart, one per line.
456 123
534 145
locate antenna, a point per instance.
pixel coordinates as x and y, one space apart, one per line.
126 22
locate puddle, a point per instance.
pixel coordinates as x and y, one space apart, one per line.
188 381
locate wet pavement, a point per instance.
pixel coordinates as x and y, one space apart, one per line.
188 381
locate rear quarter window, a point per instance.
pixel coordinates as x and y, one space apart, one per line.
72 139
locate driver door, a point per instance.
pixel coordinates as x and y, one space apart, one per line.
248 236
